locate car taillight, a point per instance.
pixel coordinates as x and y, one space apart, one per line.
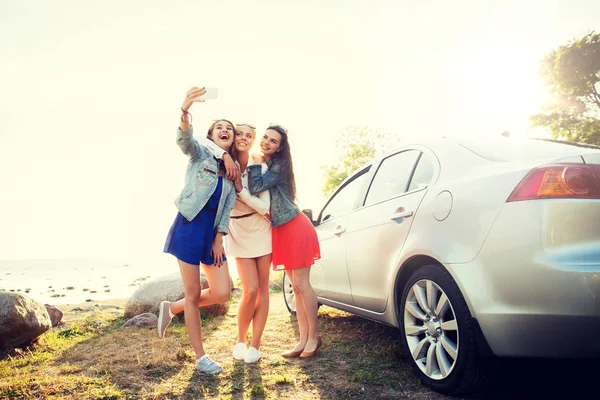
575 181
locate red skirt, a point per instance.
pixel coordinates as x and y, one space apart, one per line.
295 244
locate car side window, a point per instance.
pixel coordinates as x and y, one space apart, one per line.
423 173
345 199
392 177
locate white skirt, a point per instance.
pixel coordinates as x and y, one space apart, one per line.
248 237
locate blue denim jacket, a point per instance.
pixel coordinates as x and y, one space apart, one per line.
201 180
283 208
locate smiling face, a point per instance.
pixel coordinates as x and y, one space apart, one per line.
270 142
222 133
244 138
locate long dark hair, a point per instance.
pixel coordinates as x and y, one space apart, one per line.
231 150
283 158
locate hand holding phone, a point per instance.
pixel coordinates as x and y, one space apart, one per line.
211 93
198 94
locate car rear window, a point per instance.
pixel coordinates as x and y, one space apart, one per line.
514 149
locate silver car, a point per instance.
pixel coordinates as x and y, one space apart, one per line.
471 247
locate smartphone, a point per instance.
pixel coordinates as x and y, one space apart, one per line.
211 93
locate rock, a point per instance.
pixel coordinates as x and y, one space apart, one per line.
146 320
55 314
148 296
22 320
274 285
108 306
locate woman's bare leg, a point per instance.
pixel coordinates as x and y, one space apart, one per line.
214 294
300 315
190 274
261 307
301 284
219 282
248 274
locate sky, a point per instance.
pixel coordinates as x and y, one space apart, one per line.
90 94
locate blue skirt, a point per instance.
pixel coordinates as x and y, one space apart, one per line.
191 241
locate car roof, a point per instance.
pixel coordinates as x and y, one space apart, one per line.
499 148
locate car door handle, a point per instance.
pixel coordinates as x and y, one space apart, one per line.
339 230
401 214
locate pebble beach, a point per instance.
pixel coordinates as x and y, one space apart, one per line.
60 282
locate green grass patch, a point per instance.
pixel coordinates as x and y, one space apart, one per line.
93 357
284 380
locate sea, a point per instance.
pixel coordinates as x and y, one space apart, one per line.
75 281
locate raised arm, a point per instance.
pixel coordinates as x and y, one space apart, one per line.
189 145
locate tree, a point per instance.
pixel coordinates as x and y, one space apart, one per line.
572 75
358 146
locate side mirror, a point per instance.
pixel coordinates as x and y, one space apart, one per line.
309 214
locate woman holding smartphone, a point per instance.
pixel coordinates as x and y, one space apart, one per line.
294 240
196 236
249 241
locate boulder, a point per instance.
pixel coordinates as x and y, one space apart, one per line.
22 320
237 291
55 315
145 320
274 286
147 297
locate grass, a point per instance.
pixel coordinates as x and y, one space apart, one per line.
93 357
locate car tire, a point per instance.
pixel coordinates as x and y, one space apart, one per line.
441 341
289 297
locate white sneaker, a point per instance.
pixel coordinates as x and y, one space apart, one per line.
207 365
252 355
239 351
164 318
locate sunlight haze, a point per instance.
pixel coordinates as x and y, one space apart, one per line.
90 96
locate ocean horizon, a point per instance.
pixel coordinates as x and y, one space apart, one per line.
74 281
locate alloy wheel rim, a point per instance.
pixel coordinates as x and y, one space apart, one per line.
288 292
431 329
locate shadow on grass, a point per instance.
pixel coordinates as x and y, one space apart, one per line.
370 357
133 359
242 376
360 359
537 378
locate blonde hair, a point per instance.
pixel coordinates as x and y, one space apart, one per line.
252 128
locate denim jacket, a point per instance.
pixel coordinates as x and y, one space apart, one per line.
283 208
201 180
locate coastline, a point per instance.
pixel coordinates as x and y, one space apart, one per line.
77 281
74 308
66 282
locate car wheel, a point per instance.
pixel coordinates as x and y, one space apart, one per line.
438 334
288 294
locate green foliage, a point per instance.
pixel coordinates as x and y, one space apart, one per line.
258 390
572 75
358 145
362 376
70 332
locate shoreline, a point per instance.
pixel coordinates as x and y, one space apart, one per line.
117 301
74 312
62 282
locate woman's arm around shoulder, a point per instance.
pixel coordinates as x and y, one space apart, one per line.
258 182
261 202
229 202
